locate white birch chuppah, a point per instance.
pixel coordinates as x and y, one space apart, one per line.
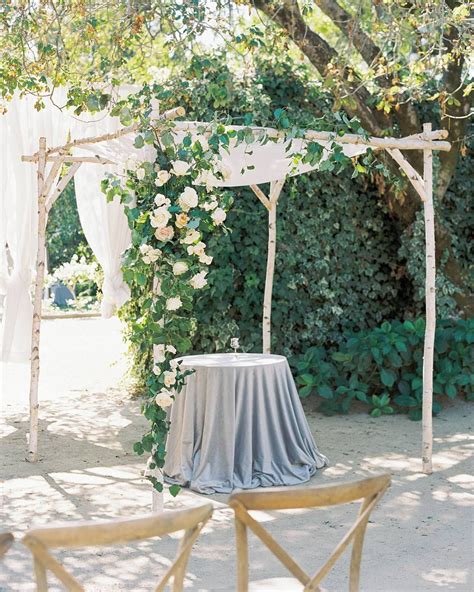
274 168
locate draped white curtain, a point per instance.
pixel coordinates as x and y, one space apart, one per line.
105 225
20 130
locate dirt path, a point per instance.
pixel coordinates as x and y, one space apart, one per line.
419 539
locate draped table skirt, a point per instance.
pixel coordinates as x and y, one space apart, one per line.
238 423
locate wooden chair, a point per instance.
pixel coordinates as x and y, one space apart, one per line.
84 534
369 491
6 541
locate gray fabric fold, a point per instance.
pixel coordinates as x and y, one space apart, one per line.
238 424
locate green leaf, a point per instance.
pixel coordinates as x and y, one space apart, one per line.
388 377
174 490
325 392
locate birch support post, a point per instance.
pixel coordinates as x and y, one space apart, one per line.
430 303
275 189
32 454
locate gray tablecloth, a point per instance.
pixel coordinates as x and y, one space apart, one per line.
238 424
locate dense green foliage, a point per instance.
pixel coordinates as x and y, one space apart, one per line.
382 368
64 236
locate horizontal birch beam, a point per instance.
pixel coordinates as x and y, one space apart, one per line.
71 159
166 116
409 143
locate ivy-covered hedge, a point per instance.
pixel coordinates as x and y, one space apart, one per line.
382 368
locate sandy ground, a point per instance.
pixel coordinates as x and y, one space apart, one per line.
419 538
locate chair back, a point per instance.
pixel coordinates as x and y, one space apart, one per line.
368 490
110 532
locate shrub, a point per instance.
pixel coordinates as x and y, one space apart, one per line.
382 368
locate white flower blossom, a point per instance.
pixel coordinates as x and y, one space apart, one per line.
156 370
180 267
164 399
171 349
218 216
209 205
159 353
174 303
197 249
164 234
191 237
149 254
198 281
174 364
161 200
140 173
169 378
205 259
160 217
188 199
180 167
162 178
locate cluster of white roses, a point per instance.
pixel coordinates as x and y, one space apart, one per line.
165 398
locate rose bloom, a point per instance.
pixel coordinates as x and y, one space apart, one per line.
169 378
209 205
173 303
191 237
171 349
180 267
164 399
208 179
149 254
156 370
180 167
197 249
188 199
162 178
159 353
164 234
174 364
198 281
181 220
161 200
160 217
206 259
140 174
218 216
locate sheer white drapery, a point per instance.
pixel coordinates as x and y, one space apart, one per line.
20 130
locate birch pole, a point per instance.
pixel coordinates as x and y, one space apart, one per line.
430 304
32 454
275 189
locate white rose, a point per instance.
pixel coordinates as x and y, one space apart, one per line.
191 237
173 303
160 217
197 249
161 200
198 281
218 216
174 364
209 205
206 259
140 174
180 267
171 349
164 234
150 255
224 170
162 178
144 249
169 378
188 199
208 179
164 399
156 370
159 353
180 167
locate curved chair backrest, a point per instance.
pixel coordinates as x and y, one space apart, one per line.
6 541
102 533
368 490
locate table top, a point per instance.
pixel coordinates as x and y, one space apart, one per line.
230 360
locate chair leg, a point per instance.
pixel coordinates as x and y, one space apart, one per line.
356 555
41 577
242 556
